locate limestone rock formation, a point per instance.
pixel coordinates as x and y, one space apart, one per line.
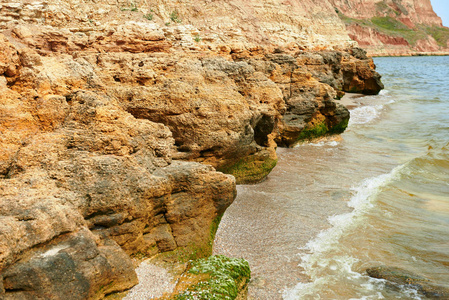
293 23
394 27
85 184
113 124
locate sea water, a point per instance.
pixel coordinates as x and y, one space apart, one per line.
378 195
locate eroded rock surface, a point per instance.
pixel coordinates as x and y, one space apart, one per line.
85 184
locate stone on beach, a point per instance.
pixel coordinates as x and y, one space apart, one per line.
408 279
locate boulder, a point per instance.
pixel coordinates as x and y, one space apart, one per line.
71 266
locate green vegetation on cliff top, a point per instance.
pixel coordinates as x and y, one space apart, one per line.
392 27
440 34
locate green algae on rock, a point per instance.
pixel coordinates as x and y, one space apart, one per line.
250 169
340 127
215 277
322 129
313 131
193 251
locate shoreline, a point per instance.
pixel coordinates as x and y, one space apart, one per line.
408 54
257 225
141 136
263 236
149 269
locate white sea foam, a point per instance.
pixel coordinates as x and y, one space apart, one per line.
361 202
364 114
324 143
317 259
367 113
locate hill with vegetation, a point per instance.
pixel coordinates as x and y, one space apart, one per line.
394 27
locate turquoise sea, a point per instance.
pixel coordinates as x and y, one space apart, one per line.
377 195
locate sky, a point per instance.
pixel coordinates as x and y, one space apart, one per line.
441 7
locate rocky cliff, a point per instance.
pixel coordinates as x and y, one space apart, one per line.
394 27
115 117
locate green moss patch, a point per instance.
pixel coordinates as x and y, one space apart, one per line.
226 278
313 132
321 129
354 89
339 95
250 169
214 228
340 127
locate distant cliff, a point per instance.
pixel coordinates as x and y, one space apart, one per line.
394 27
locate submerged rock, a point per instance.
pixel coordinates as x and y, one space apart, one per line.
409 279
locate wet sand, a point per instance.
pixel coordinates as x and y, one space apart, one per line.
352 100
154 281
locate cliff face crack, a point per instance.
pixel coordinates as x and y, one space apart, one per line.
106 219
262 129
10 291
291 83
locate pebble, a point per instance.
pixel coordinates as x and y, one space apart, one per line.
154 281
